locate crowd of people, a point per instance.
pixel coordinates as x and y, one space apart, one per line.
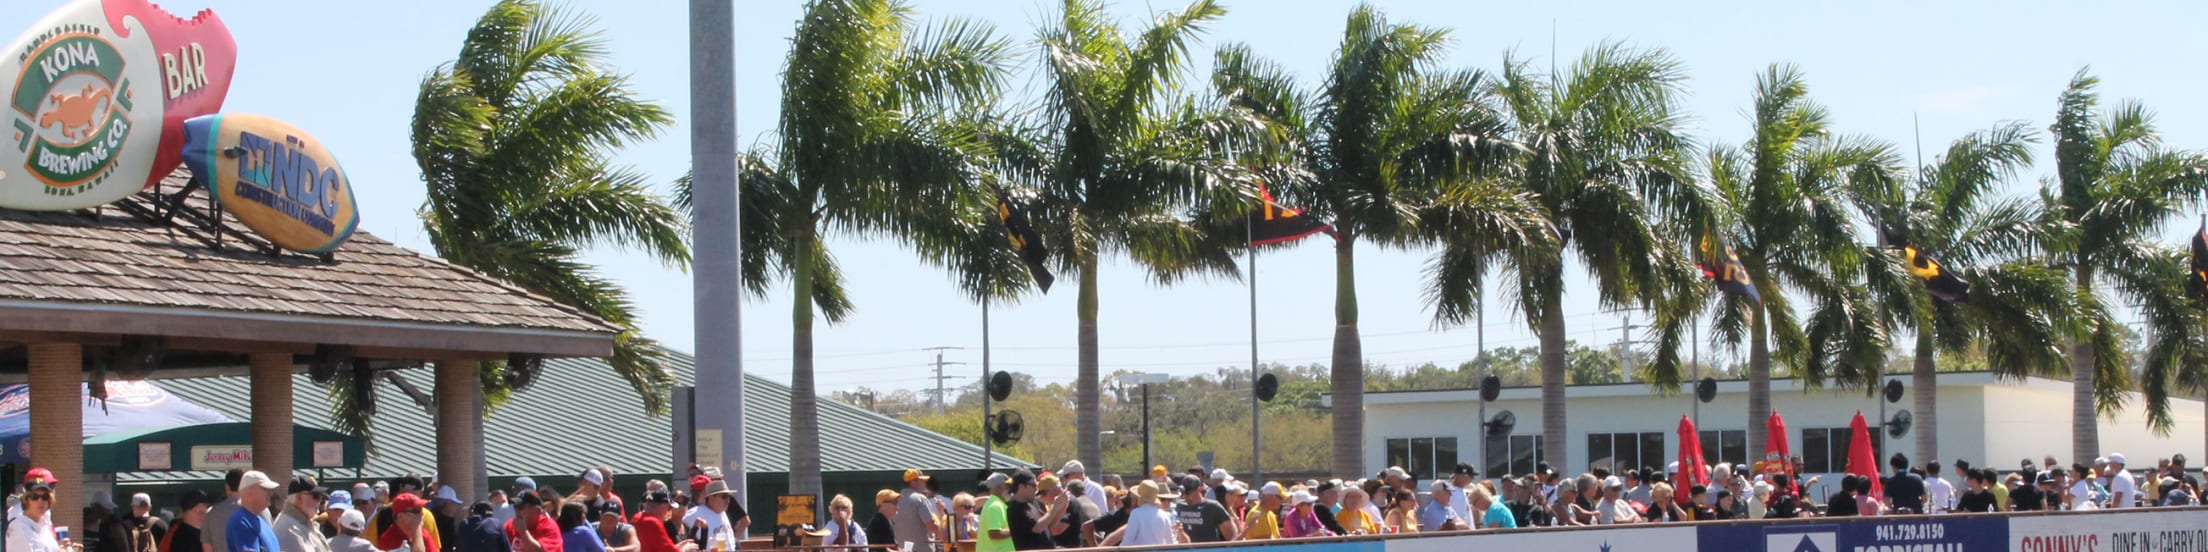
1065 508
259 514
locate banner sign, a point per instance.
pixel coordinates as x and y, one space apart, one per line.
275 178
1641 538
222 457
2112 531
1908 534
97 94
793 516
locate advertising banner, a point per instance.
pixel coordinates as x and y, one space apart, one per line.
1912 534
1629 539
2132 531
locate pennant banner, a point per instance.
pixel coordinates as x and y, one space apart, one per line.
2199 280
1937 280
1025 241
1722 266
1276 224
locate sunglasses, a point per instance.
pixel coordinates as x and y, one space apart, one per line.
840 508
39 496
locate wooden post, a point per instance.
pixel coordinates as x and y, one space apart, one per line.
271 383
457 389
57 427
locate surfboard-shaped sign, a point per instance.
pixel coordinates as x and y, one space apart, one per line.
274 178
90 92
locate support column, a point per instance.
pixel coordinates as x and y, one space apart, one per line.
457 389
271 382
57 425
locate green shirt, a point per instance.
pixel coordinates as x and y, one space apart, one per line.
993 519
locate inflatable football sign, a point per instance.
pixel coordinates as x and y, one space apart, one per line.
98 92
274 178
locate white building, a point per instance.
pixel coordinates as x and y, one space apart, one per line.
1988 421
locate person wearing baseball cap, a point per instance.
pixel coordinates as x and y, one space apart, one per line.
1074 473
295 527
246 530
532 529
914 524
1263 521
1303 518
32 530
134 529
350 524
996 529
654 533
2123 490
611 525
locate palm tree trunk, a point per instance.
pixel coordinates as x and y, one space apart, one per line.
1088 413
1759 383
804 399
1927 384
2085 437
1554 446
1349 363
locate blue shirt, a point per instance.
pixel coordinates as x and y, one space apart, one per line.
248 532
1433 514
582 539
1498 516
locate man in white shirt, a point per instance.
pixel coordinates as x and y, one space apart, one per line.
1460 484
2123 491
1074 473
1613 509
1939 494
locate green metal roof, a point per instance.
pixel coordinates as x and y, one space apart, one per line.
580 413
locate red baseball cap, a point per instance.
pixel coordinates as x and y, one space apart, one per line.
40 474
698 483
407 501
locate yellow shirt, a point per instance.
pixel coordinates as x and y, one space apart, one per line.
1355 519
1263 525
2000 498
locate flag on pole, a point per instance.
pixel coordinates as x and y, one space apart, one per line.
1024 240
1937 279
1722 266
2199 280
1273 223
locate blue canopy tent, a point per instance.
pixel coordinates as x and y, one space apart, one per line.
131 407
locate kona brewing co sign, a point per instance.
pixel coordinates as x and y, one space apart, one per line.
99 94
274 177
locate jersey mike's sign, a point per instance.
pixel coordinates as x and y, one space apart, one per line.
98 93
274 178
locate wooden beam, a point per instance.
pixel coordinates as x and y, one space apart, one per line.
432 355
80 338
221 345
202 323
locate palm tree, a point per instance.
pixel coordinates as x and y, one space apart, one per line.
1119 155
1390 135
2017 306
2117 184
1791 193
868 145
514 140
1606 160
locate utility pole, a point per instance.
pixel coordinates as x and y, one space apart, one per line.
1625 346
940 404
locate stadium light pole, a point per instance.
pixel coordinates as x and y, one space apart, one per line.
716 276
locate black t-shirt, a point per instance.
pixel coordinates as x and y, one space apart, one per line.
1076 514
183 537
1326 518
1022 516
2026 498
1202 520
1975 501
1112 522
878 530
1784 506
1841 504
1906 491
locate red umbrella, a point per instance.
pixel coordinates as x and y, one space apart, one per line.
1691 469
1775 451
1861 459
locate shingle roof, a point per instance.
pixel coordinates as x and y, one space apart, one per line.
580 413
120 257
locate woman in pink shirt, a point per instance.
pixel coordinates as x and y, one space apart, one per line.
1301 520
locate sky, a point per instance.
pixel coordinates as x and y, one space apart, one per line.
348 72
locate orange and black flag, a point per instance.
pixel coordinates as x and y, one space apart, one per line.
1025 241
1938 280
1722 266
2198 282
1276 224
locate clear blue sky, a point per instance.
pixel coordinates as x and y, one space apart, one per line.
347 71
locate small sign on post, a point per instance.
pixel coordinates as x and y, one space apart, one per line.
329 454
708 449
155 456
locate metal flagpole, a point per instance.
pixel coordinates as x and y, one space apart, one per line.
1479 332
1694 357
988 445
716 279
1257 471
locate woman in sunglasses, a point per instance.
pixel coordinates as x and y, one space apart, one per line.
33 530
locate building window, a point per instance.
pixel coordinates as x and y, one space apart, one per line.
1825 450
1424 457
1618 452
1513 454
1723 446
